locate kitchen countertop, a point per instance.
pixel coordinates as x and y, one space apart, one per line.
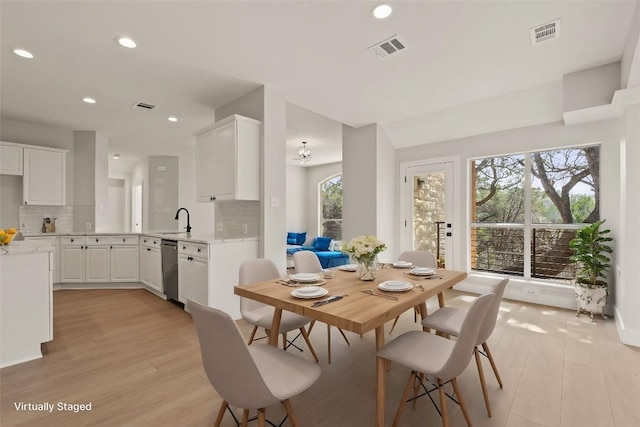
25 247
172 235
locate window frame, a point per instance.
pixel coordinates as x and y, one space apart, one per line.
321 218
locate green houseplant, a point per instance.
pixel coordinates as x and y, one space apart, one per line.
590 248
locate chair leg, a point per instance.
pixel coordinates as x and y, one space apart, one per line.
485 346
253 335
245 418
454 382
443 404
313 322
405 396
292 415
483 383
329 343
261 417
223 409
416 389
305 335
394 324
284 341
344 336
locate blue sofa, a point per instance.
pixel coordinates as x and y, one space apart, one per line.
320 245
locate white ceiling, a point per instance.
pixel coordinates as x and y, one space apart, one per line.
195 56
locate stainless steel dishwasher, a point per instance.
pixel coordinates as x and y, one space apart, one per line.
169 250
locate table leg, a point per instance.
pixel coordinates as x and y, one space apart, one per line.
441 299
275 327
381 372
423 314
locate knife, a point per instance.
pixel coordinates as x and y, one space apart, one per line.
327 300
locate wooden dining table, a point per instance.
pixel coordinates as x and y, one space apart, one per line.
358 312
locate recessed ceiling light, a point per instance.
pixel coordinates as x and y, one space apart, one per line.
115 156
23 53
172 119
382 11
127 42
89 100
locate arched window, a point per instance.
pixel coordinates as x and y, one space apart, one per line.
331 207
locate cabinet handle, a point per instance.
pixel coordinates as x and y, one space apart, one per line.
71 240
199 250
145 240
184 247
123 240
212 198
81 247
149 249
111 247
190 258
97 240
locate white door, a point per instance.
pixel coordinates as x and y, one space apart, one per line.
136 209
428 210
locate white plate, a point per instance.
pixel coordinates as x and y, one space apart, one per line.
305 277
395 286
308 290
422 271
319 293
348 267
402 264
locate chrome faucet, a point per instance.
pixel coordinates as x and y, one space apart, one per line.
188 220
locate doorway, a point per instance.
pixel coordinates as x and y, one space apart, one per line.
136 208
428 210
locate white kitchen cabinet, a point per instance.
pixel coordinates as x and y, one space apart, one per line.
45 173
51 241
228 160
97 264
11 159
193 272
151 263
125 265
72 259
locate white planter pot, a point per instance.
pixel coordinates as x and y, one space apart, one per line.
591 299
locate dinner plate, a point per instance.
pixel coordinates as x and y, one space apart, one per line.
348 267
305 277
395 286
320 292
422 271
402 264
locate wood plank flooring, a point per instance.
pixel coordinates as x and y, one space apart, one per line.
136 359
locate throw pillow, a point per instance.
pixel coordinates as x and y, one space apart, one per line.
291 241
300 238
322 243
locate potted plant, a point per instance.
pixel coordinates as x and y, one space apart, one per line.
590 249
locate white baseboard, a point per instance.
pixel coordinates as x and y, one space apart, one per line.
105 285
628 336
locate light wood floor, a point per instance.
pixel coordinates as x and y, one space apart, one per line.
136 359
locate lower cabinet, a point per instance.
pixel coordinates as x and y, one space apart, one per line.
125 265
151 263
193 272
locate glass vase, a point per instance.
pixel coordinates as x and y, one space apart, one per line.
366 270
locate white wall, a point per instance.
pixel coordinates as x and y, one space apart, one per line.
387 226
590 88
631 53
315 175
117 213
101 190
297 199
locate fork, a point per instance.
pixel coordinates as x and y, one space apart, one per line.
418 285
375 294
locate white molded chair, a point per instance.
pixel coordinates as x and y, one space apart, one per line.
261 315
438 357
248 377
308 262
448 320
418 259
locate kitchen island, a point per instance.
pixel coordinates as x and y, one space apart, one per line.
26 300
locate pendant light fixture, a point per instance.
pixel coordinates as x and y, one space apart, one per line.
304 153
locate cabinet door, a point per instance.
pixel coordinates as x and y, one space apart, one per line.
156 270
204 167
145 265
199 284
124 264
44 180
184 277
71 264
10 160
224 161
97 264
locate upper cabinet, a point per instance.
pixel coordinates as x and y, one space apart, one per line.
44 181
10 159
228 160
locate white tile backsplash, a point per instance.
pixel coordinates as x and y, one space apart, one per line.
234 216
31 218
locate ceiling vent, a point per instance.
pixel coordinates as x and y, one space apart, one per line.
388 47
143 105
545 32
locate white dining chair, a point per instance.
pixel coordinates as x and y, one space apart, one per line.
436 357
449 320
308 262
246 377
261 315
417 259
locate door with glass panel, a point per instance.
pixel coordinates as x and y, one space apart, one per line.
428 219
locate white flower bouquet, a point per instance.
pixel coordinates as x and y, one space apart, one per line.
364 248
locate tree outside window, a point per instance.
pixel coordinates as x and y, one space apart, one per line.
526 208
331 207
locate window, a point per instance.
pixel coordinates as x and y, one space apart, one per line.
525 209
331 207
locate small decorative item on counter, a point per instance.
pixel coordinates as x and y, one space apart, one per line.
363 249
6 236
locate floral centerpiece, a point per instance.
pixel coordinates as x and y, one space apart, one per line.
363 249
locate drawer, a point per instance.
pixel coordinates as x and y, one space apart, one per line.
194 249
97 240
152 242
72 240
124 240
